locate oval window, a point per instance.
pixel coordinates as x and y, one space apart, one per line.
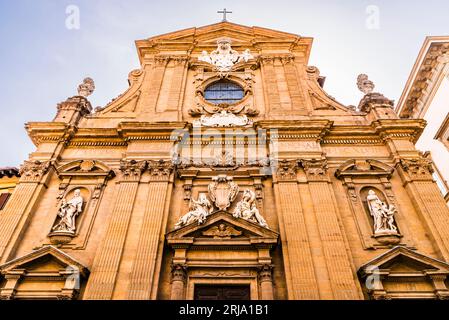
223 91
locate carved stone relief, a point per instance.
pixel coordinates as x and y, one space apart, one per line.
224 57
222 231
222 193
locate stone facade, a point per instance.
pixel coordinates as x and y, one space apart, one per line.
274 188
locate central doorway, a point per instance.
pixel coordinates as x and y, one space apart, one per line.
222 292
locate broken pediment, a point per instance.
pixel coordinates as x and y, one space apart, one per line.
58 274
221 226
404 273
85 168
367 167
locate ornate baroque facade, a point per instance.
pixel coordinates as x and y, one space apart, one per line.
225 171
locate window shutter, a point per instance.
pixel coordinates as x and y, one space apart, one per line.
3 199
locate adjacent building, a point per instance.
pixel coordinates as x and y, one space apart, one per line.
426 96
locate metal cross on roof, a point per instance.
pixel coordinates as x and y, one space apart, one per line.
224 14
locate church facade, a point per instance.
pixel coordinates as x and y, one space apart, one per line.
225 171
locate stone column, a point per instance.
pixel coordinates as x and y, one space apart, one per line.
416 174
19 209
266 282
340 270
149 249
300 273
107 260
178 282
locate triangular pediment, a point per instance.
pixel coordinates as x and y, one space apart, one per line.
223 225
401 260
45 259
198 39
226 28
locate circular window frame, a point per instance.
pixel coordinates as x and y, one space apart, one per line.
233 86
247 90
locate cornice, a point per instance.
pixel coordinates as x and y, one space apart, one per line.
161 131
409 129
425 78
40 132
295 129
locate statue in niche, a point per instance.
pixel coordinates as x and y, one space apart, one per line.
68 211
246 209
382 213
199 210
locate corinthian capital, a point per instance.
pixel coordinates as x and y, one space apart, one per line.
418 169
33 170
315 169
160 170
285 170
132 169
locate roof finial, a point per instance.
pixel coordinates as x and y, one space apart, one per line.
364 84
86 88
224 14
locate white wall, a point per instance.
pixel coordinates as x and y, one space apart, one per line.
435 116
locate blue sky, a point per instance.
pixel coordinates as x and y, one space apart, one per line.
42 62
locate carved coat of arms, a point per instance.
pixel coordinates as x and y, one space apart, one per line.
223 191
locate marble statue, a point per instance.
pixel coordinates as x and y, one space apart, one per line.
68 211
246 209
199 210
382 213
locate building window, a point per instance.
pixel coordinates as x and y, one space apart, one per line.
223 91
3 199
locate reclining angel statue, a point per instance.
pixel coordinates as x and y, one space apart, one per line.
246 209
199 210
